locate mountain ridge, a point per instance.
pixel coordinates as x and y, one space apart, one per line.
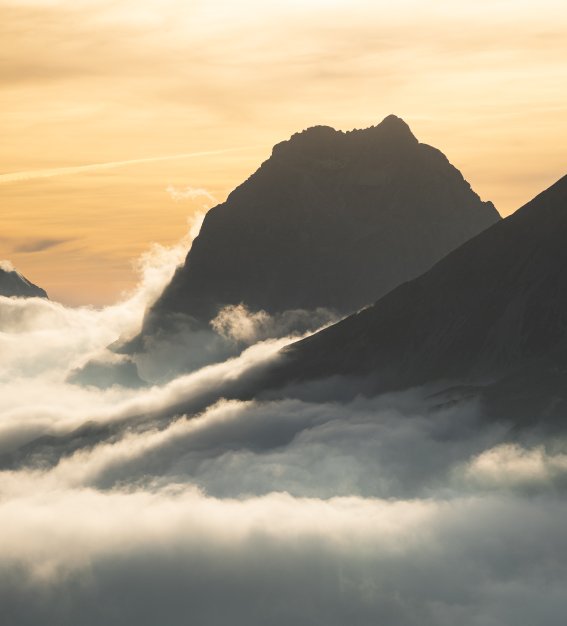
496 305
332 219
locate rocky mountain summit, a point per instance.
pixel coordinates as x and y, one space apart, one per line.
331 220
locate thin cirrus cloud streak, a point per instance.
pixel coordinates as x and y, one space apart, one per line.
17 177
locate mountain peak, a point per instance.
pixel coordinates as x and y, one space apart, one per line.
396 127
13 284
391 133
333 220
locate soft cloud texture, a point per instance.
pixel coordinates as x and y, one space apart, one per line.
127 532
189 500
189 193
6 266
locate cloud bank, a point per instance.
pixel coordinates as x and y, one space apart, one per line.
173 503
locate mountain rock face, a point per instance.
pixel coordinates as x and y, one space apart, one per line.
493 310
331 220
13 284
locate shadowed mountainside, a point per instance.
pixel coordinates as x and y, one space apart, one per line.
331 220
493 310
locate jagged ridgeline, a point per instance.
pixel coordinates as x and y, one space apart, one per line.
332 219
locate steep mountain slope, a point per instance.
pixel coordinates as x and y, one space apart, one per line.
493 310
332 220
13 283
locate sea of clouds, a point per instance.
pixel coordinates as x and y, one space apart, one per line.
181 502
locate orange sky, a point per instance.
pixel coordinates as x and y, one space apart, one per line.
95 81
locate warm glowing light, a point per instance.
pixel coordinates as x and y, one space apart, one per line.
103 82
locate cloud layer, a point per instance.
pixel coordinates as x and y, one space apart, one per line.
172 503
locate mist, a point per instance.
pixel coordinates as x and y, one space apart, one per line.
179 501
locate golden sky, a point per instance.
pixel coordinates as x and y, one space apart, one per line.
129 82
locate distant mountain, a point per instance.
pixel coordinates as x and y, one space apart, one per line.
12 283
332 219
493 312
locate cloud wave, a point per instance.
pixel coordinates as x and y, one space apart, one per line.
186 501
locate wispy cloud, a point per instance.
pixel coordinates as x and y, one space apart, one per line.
6 265
189 193
38 245
17 177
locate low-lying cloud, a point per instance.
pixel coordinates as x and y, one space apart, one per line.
239 324
180 501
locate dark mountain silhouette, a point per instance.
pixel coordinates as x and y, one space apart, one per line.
493 311
13 284
332 219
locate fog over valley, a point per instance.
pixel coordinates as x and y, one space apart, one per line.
191 490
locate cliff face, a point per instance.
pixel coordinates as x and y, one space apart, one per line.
493 310
331 220
13 284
